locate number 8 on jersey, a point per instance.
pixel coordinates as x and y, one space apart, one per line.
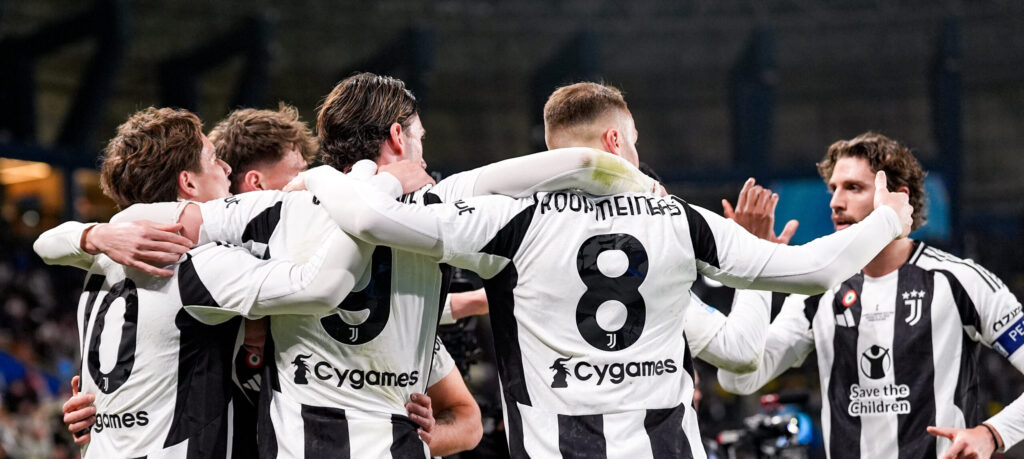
611 284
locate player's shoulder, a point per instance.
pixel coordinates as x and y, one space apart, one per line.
964 271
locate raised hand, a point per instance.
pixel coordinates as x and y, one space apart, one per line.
898 201
755 211
144 245
412 174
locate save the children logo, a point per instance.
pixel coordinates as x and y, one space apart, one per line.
875 362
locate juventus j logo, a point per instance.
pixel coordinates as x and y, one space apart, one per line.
611 341
913 300
355 334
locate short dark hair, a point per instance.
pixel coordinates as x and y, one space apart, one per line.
142 162
883 154
581 103
248 138
356 117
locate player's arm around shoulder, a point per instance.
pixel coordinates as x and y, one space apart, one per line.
593 171
218 281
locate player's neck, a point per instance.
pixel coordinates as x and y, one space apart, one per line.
890 258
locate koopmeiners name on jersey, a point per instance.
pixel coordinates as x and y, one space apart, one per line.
622 205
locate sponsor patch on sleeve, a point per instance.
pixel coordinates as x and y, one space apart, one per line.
1011 339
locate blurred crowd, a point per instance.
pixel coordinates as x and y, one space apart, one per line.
38 347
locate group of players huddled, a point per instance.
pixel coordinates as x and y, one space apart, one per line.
241 305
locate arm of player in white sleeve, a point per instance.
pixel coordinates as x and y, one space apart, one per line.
63 245
1001 327
593 171
240 284
788 342
730 254
365 210
1009 422
738 340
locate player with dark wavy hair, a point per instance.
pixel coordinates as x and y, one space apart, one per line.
897 343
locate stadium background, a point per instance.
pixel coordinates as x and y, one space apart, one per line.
720 90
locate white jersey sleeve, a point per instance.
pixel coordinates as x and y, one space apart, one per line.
788 342
441 365
734 343
592 171
730 254
224 281
703 322
63 246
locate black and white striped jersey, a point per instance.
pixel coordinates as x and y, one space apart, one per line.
588 299
898 353
157 352
338 382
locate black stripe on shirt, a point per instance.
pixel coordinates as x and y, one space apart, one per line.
507 240
581 436
266 434
500 295
811 308
844 438
913 360
504 327
204 385
964 305
191 288
262 226
514 427
325 432
703 240
665 430
244 425
965 396
405 442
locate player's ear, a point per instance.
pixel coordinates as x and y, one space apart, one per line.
611 139
395 138
394 146
251 181
187 187
904 189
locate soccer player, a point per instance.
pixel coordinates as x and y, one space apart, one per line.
588 297
164 387
344 377
595 115
897 343
266 149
